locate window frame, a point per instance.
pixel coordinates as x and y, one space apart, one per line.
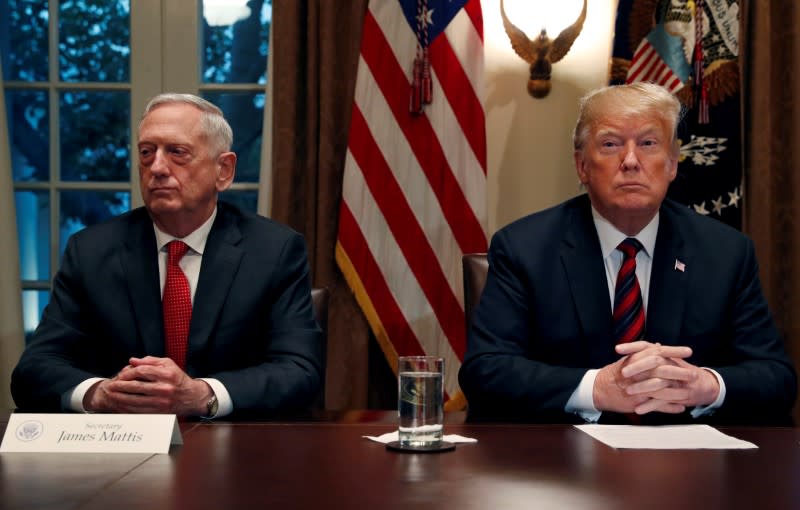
171 62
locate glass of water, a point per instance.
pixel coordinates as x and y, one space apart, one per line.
420 394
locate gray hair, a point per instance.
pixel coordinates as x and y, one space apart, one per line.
633 99
212 122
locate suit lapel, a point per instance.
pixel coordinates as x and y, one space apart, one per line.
583 263
221 260
668 283
139 261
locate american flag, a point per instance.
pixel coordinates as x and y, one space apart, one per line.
414 192
659 59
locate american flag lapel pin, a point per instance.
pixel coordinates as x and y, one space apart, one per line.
680 266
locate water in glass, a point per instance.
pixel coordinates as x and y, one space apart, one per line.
420 408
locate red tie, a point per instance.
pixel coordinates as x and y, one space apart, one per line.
628 306
177 303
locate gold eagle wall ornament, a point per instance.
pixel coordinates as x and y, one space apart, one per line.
542 52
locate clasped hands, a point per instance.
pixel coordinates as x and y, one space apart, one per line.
149 385
653 377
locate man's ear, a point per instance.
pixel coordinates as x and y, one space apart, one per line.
672 170
227 170
580 166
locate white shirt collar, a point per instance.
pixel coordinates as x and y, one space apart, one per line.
196 240
610 236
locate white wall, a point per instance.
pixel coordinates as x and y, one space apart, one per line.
530 140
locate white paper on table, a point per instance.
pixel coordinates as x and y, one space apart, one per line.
664 437
394 436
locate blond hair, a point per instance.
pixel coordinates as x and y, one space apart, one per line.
630 100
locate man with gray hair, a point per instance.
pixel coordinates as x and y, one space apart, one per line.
187 305
620 305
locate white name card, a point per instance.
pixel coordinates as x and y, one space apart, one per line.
91 433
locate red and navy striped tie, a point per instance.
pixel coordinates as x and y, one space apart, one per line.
628 305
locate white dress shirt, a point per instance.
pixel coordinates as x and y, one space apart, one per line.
581 401
190 264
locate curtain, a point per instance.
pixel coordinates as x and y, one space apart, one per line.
314 60
772 139
11 331
264 206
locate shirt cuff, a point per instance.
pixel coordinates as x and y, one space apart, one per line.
224 402
73 400
699 411
581 402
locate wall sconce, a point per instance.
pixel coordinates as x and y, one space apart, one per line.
542 52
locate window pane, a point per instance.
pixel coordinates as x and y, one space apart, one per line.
245 113
246 200
24 23
95 132
28 131
33 303
235 40
80 209
94 40
33 229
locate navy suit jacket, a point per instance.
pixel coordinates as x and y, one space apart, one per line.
544 317
252 322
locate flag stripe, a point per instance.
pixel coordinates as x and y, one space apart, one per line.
465 41
392 320
468 170
654 70
406 230
643 61
473 10
414 189
417 129
675 85
647 65
460 95
410 177
395 271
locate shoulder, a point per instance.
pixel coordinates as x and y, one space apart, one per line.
254 228
547 226
701 229
114 230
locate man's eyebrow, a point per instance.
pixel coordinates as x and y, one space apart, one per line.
648 130
607 132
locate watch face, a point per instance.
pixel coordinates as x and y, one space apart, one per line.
213 405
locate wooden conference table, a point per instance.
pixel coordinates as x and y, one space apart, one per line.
327 464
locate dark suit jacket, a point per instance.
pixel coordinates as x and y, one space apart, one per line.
252 322
544 317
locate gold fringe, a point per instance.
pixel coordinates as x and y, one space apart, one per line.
353 280
456 402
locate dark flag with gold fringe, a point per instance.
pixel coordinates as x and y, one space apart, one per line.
691 48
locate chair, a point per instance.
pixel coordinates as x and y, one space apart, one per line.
319 300
475 266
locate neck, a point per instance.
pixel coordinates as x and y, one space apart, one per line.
180 224
629 223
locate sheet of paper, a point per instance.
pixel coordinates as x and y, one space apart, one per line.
665 437
393 436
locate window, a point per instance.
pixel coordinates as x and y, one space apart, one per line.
77 74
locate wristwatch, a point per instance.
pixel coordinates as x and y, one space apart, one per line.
212 406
